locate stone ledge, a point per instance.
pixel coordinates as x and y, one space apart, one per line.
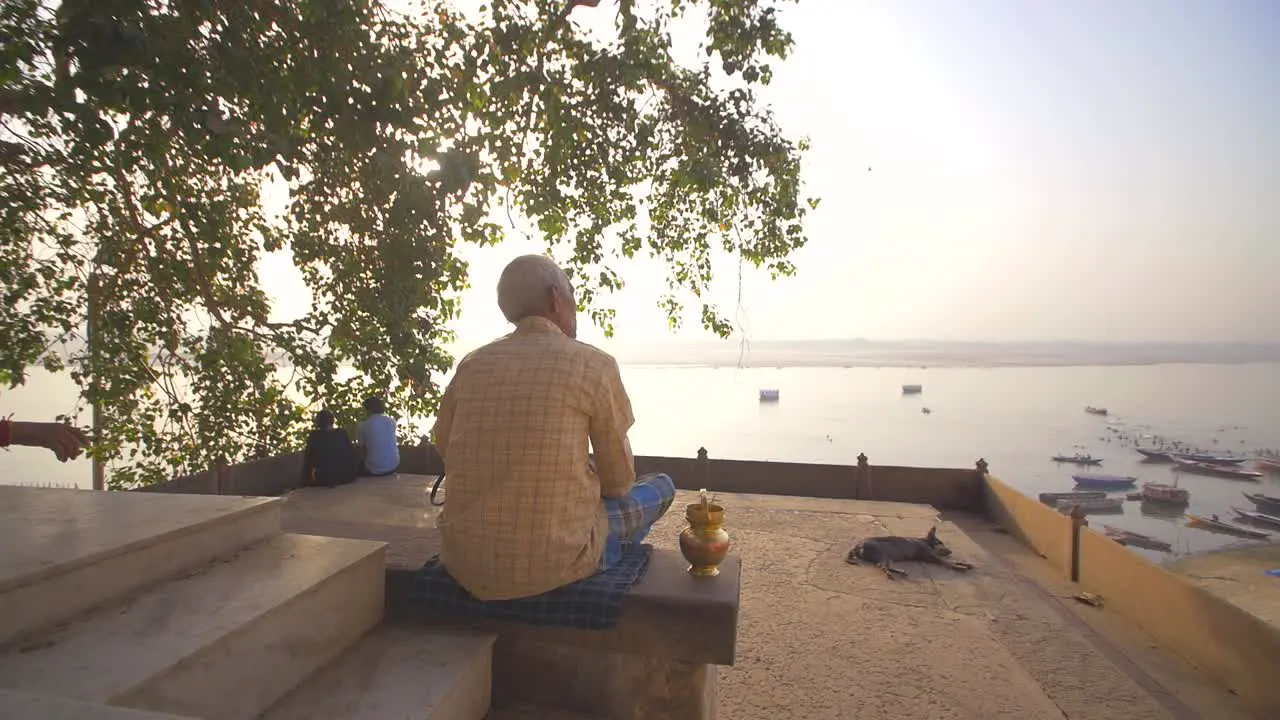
669 614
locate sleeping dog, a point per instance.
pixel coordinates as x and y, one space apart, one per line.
886 550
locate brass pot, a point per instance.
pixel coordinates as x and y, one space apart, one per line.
704 543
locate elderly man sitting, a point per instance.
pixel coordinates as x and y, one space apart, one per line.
528 510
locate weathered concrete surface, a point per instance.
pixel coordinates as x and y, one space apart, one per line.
830 640
394 509
1185 691
1239 576
63 552
22 706
819 638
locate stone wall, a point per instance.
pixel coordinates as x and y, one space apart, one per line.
1037 525
266 477
1230 645
943 488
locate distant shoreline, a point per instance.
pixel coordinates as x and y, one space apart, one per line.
924 354
953 365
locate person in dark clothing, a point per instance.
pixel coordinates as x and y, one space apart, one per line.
330 460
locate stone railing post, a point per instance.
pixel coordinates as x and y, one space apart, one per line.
862 478
1078 521
221 477
978 496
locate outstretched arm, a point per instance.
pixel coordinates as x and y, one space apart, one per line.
65 440
611 418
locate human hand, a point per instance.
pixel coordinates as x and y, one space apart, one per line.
65 440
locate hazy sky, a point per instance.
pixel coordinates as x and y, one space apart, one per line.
1057 169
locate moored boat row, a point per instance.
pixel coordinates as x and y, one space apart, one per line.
1214 524
1090 505
1096 492
1108 482
1260 518
1077 459
1265 503
1052 498
1128 537
1204 458
1205 468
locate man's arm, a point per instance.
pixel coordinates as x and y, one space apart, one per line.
65 440
611 418
444 420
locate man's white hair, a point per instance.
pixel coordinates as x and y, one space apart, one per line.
522 289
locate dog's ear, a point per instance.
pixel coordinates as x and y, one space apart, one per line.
933 533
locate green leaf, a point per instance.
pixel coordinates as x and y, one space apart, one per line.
151 159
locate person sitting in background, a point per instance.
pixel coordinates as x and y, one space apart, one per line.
329 460
529 511
379 449
65 440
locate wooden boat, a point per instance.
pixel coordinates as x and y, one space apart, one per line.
1078 459
1269 464
769 395
1168 494
1128 537
1266 503
1258 517
1226 471
1095 410
1208 459
1104 482
1092 505
1216 525
912 389
1155 455
1052 498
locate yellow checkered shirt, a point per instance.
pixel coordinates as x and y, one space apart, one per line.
524 512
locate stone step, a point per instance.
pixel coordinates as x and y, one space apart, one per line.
24 706
67 551
399 673
223 643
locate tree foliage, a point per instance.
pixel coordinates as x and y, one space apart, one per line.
137 137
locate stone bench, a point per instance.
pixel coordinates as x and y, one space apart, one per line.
659 661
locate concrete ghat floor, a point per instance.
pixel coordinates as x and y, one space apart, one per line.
820 638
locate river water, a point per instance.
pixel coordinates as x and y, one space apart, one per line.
1014 417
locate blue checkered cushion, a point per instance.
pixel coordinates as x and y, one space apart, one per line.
594 603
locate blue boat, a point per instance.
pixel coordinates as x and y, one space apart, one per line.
1106 482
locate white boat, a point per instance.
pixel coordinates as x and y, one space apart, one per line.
912 389
769 394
